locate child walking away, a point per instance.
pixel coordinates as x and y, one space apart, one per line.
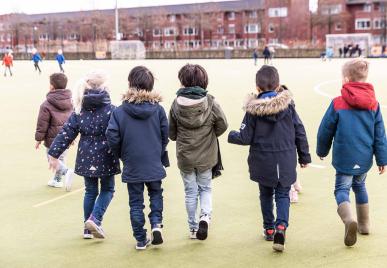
8 63
275 133
95 160
138 134
354 123
60 59
36 58
266 53
53 114
195 122
255 56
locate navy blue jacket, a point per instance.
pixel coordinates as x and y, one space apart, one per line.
275 134
354 123
94 157
138 134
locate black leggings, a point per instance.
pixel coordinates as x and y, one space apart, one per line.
36 64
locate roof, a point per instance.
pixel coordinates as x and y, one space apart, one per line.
157 10
356 2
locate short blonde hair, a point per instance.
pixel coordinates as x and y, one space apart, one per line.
356 70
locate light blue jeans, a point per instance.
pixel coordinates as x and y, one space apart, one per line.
197 186
62 169
343 186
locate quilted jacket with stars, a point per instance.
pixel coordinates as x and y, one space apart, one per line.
94 158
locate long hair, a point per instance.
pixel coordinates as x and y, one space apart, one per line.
95 79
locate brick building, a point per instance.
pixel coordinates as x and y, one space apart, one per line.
213 25
351 16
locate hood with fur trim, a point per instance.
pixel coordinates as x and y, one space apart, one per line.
141 96
141 104
269 106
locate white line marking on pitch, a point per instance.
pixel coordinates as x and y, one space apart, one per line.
57 198
319 91
317 166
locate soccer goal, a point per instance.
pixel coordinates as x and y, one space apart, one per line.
127 50
337 41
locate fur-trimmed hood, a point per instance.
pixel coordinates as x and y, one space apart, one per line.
268 106
141 104
141 96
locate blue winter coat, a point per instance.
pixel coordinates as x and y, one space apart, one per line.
36 57
60 58
94 157
275 134
138 134
354 123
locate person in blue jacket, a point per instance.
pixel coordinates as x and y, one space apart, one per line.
95 161
276 135
60 59
354 123
36 58
138 134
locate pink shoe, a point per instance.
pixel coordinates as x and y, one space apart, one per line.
297 186
293 195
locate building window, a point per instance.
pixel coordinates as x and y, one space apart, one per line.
220 30
273 41
231 28
192 44
1 37
363 24
271 28
240 43
231 16
379 23
253 43
170 31
215 43
253 14
172 18
278 12
338 26
169 45
331 9
73 36
252 28
43 36
157 32
190 31
367 8
156 45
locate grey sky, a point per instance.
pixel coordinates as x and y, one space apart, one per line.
46 6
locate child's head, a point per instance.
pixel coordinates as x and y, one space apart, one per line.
355 70
267 79
140 78
193 75
58 81
60 51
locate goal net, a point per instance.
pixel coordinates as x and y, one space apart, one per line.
124 50
337 41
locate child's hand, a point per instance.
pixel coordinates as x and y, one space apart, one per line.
37 145
382 169
53 163
303 165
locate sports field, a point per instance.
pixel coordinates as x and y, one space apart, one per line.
42 227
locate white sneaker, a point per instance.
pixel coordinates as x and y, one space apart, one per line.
54 183
68 179
192 234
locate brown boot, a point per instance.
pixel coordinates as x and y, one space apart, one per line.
344 211
363 219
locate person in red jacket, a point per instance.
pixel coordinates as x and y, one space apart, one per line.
8 63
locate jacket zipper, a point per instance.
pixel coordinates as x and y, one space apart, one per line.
278 173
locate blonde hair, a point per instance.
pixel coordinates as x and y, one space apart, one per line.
95 79
356 70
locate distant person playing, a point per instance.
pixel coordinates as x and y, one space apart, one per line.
60 59
266 54
36 58
340 52
95 160
345 50
255 56
196 120
8 63
275 134
138 134
354 123
53 114
329 53
272 53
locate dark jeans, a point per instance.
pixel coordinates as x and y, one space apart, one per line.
136 204
343 186
96 204
61 67
9 69
281 195
36 64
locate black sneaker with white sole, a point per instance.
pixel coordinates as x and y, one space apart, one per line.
268 234
157 236
279 238
202 232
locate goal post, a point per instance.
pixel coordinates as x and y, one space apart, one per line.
337 41
127 50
